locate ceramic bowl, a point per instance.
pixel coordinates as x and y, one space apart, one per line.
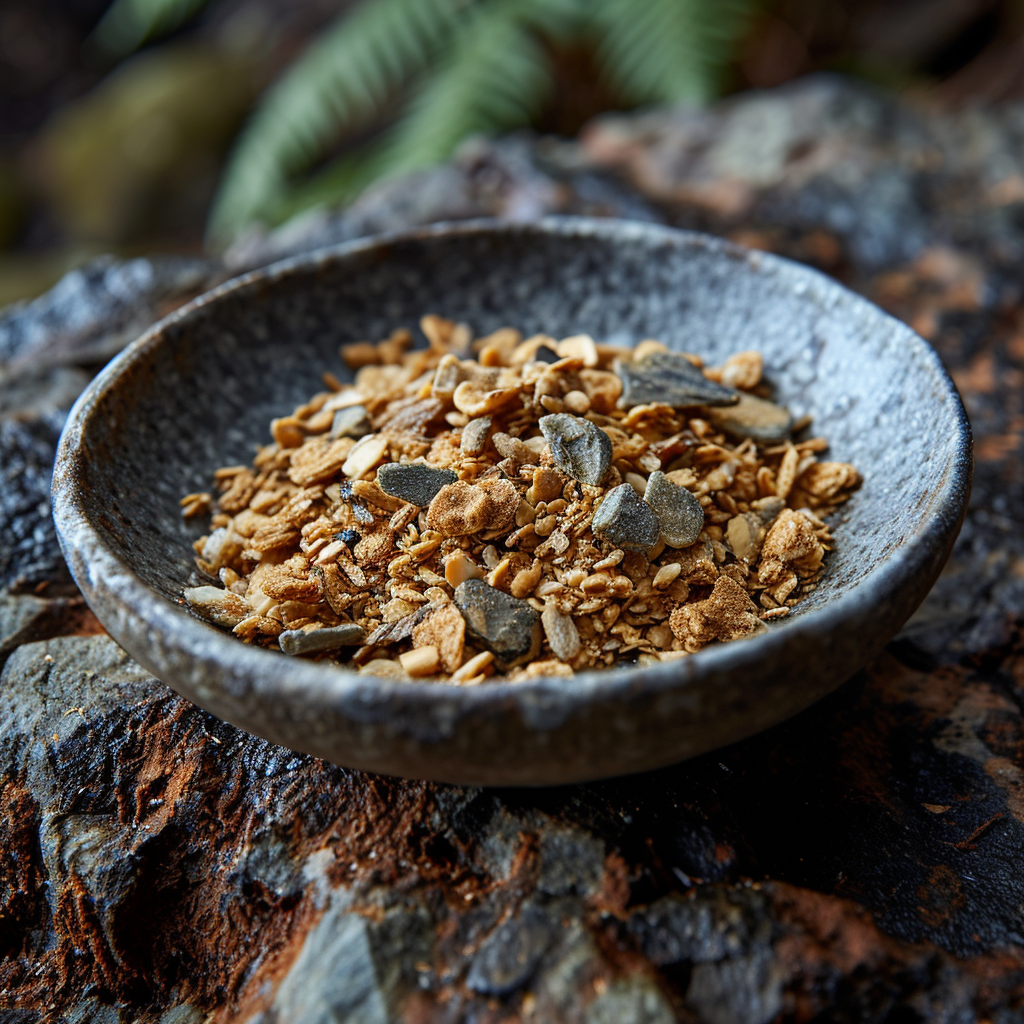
199 389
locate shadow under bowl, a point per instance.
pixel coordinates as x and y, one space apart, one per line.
199 389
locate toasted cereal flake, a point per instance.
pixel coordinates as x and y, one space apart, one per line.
727 614
445 629
791 545
459 509
503 501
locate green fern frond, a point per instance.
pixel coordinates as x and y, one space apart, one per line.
658 51
127 24
342 82
494 76
341 181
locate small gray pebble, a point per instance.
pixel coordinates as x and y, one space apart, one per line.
676 509
671 379
754 417
297 642
413 482
626 520
580 448
350 422
508 627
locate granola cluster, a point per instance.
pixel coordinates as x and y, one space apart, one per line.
518 507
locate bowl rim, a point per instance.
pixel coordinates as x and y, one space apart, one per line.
95 565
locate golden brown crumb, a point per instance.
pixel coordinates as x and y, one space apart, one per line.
392 511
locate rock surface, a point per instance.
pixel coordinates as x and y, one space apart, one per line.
860 862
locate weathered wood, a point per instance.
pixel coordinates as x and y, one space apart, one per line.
860 862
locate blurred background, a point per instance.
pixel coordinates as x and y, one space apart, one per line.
182 126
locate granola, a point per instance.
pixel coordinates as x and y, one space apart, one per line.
510 507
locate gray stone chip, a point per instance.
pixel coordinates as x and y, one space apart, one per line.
414 482
297 642
580 448
626 520
754 417
677 510
508 627
671 379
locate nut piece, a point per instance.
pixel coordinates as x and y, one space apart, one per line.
423 661
678 512
414 482
459 567
509 628
297 642
561 632
626 520
579 346
547 485
579 447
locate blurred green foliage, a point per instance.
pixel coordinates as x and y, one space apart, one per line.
113 157
128 24
403 82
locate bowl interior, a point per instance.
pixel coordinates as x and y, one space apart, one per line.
201 392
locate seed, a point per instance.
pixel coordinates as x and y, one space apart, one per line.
561 632
506 626
754 417
666 575
350 422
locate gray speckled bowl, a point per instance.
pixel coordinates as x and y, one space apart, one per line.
199 389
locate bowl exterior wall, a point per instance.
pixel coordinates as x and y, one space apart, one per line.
199 390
